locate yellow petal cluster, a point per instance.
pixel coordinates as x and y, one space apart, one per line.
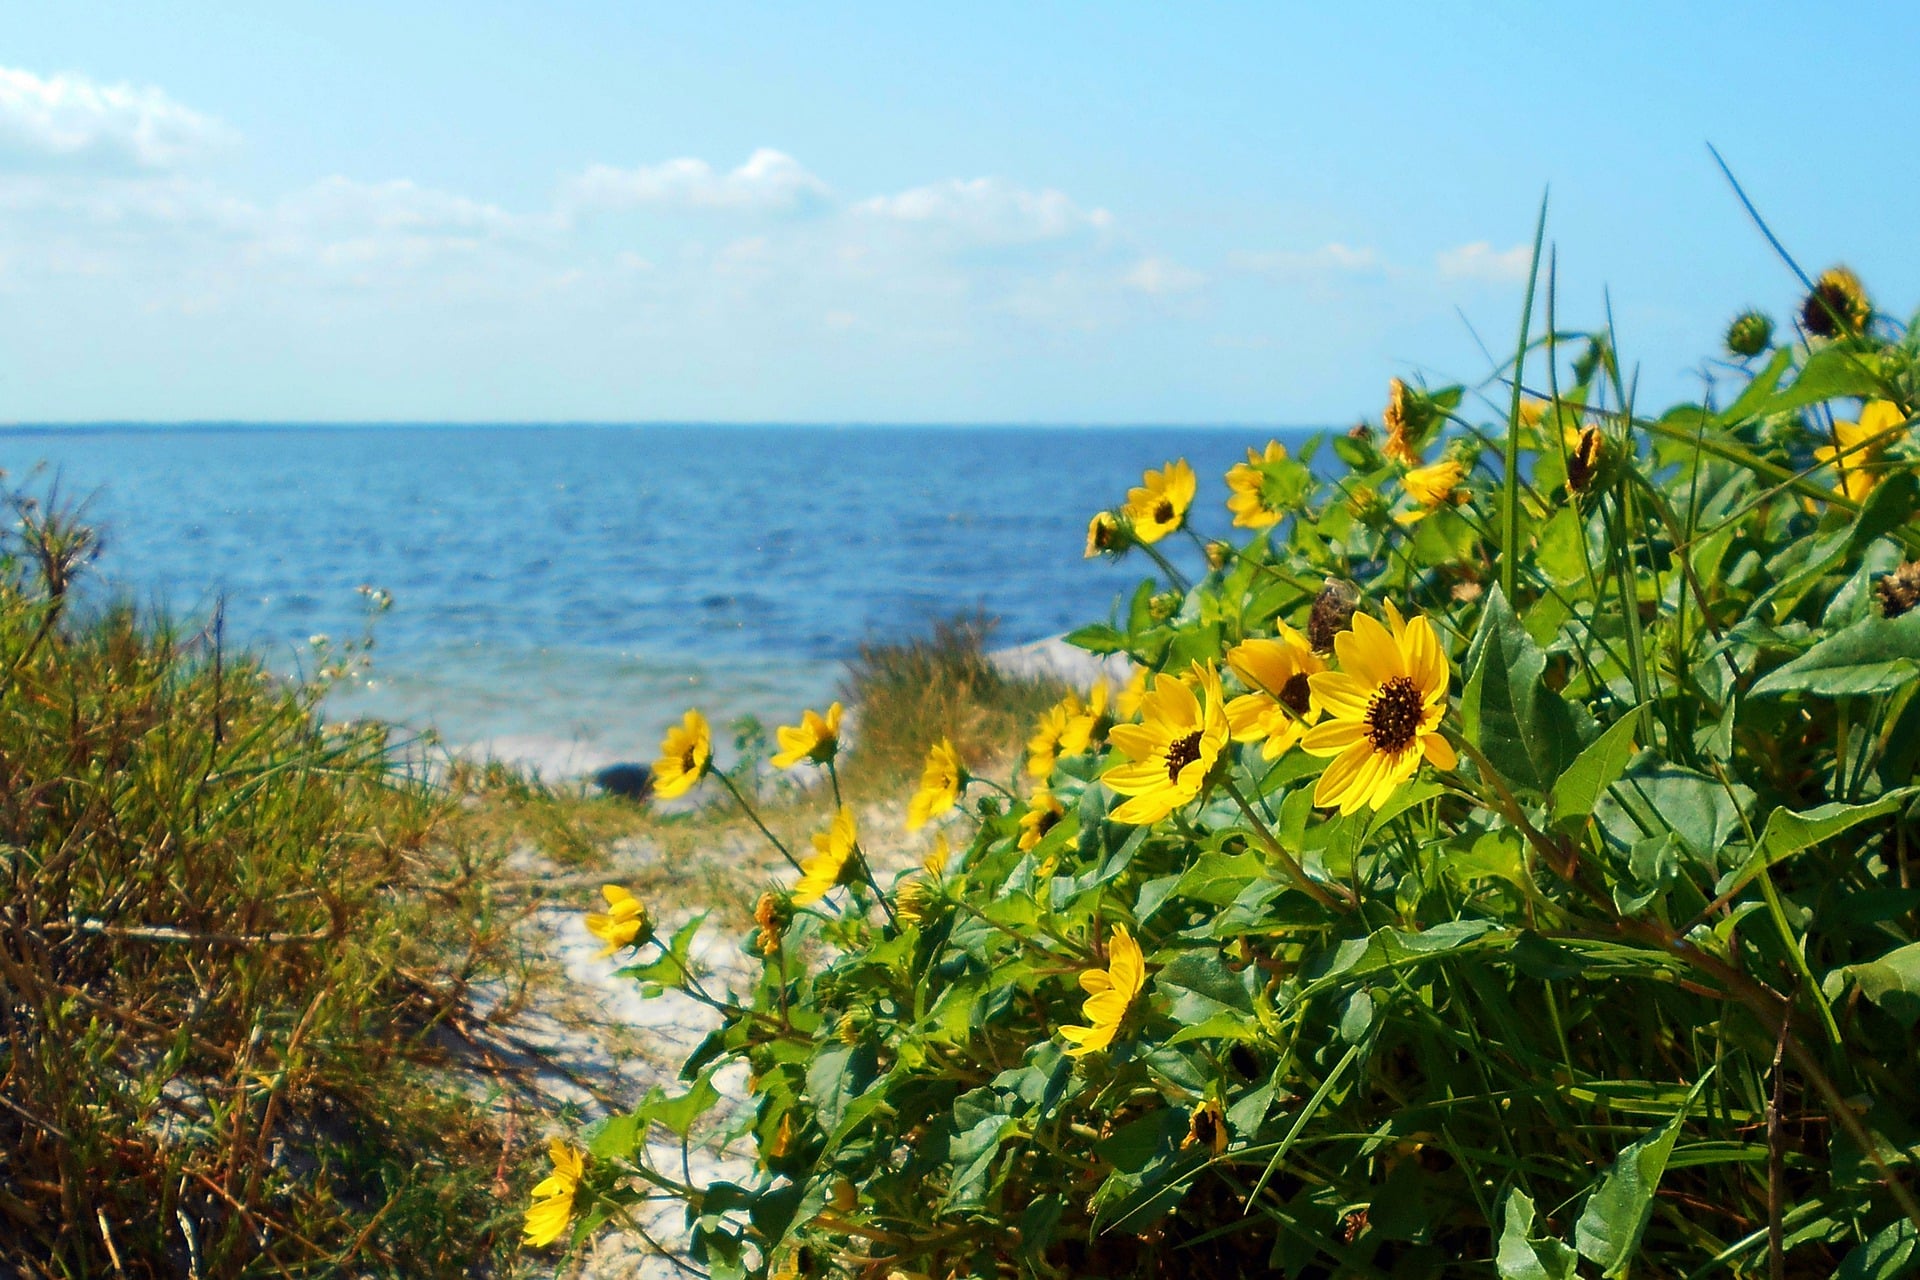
1103 534
1432 488
686 753
1279 710
1158 504
1066 728
1382 708
833 853
815 738
1857 447
623 924
1109 993
1246 484
941 781
1170 754
1042 815
552 1205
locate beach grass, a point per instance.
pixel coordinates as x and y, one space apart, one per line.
237 947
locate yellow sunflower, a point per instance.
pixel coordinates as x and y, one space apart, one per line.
1109 992
686 753
941 782
1838 304
815 738
1158 504
937 858
1857 446
1043 748
1247 481
553 1195
1103 534
1280 709
1432 488
1171 752
1132 694
623 924
833 853
1043 815
1383 708
1067 728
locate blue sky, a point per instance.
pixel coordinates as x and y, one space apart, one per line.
888 213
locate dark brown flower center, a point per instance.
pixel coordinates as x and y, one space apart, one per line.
1393 717
1180 753
1049 819
1163 514
1294 694
687 761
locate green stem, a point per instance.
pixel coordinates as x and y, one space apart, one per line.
1297 873
747 809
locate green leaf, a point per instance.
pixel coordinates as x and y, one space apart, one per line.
1097 638
1874 655
1200 986
1521 1257
1892 981
1758 390
1525 729
1788 833
1594 770
972 1155
1609 1230
1889 1255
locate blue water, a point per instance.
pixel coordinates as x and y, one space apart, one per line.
562 592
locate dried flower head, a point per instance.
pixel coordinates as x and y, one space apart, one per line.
1899 591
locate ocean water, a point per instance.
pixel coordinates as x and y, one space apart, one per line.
561 593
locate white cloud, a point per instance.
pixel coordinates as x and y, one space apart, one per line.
1334 257
987 209
70 119
769 180
1481 261
1160 277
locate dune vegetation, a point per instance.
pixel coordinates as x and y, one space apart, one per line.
1501 864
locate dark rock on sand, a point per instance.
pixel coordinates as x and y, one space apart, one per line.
629 781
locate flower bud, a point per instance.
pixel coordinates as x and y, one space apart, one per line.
1750 333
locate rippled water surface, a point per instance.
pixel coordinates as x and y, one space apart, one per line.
559 591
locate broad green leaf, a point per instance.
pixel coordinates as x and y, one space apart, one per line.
1893 1252
1654 796
1892 981
1390 948
1097 638
1524 728
972 1155
1788 833
1521 1257
1609 1230
1200 985
1594 770
1874 655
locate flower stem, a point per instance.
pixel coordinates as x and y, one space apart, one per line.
1307 884
746 808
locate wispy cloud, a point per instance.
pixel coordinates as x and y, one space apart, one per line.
991 210
769 180
1482 262
66 119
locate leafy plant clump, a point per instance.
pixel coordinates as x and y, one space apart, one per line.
1502 865
226 934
